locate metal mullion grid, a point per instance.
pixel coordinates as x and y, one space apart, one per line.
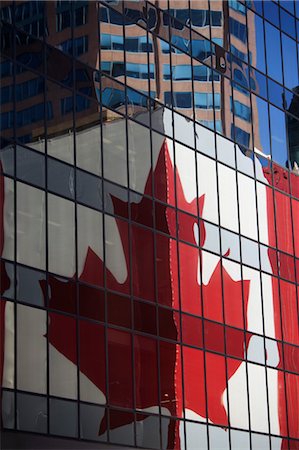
241 263
130 233
268 103
289 184
175 172
76 221
46 241
277 251
199 252
259 250
297 41
154 238
15 223
106 328
280 313
220 256
284 106
278 282
159 10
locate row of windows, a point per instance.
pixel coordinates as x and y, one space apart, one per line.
133 70
202 49
196 332
184 100
76 46
67 104
238 29
275 96
114 98
39 414
35 113
66 9
183 72
64 18
81 45
24 12
30 16
130 16
179 18
92 302
87 188
23 90
241 110
138 44
194 17
197 48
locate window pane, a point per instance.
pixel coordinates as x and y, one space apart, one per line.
274 65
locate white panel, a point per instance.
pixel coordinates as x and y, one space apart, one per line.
196 436
250 253
61 235
239 440
30 226
62 147
9 352
205 140
247 206
88 149
185 163
31 349
228 198
258 398
63 375
183 129
139 155
225 151
219 438
115 151
8 219
206 170
260 442
268 305
238 401
272 376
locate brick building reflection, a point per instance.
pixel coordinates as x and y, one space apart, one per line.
130 53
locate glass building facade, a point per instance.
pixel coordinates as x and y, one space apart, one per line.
149 224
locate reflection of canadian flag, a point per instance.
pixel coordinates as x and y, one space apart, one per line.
207 301
207 375
285 210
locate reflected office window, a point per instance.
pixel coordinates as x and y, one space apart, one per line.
205 100
237 6
274 65
78 46
65 10
241 110
240 136
238 29
178 99
30 16
290 63
278 136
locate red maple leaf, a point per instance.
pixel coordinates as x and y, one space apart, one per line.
202 300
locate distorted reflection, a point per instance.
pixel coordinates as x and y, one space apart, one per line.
142 147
